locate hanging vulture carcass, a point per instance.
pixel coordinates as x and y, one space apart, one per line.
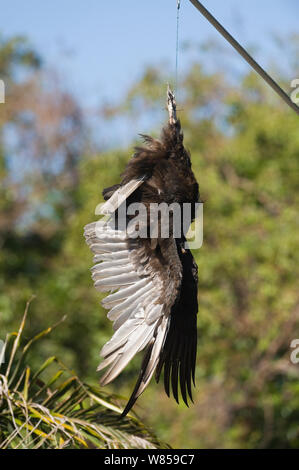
152 279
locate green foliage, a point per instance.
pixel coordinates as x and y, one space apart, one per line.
245 151
16 52
52 408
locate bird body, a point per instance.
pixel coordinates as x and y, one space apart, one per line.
152 279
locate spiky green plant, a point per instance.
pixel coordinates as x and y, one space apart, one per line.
60 411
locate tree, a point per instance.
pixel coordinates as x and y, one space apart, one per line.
245 151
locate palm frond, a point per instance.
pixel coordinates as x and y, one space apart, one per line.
55 409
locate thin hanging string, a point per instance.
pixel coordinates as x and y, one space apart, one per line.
178 5
245 54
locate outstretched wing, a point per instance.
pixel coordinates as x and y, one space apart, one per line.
144 282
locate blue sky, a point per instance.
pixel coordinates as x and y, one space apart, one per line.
101 47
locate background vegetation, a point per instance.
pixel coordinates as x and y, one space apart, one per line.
245 153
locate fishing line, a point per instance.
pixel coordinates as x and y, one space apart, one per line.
178 6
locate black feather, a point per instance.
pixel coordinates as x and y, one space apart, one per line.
134 395
179 352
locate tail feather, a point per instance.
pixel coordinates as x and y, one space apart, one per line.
149 364
178 357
